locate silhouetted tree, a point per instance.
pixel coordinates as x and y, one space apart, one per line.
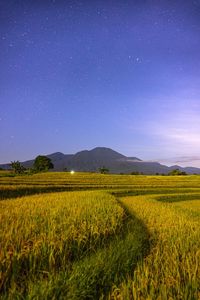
177 172
135 173
42 163
103 170
17 167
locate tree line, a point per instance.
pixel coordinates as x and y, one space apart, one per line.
41 163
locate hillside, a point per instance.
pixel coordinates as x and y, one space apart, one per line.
92 160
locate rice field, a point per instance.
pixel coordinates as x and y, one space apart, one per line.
171 270
94 236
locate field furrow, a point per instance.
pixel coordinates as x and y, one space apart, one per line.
172 269
94 236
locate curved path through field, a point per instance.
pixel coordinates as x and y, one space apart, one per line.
172 268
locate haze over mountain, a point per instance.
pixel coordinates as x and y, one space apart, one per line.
92 160
192 161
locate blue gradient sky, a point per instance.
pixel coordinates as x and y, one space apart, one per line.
79 74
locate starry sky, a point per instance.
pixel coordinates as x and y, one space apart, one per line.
78 74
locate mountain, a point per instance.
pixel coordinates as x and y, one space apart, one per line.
92 160
188 170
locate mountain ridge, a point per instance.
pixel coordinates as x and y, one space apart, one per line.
92 160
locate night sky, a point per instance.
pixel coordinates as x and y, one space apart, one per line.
123 74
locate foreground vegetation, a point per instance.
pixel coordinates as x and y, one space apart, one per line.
94 236
172 268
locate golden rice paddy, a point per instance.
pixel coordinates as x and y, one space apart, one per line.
93 236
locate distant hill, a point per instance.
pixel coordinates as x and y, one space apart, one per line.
92 160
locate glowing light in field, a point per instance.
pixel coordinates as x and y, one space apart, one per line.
72 172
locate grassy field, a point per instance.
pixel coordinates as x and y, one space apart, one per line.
93 236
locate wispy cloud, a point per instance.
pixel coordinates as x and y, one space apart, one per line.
187 161
173 132
182 136
179 130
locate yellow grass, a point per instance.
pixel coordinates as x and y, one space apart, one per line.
43 233
172 269
48 236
